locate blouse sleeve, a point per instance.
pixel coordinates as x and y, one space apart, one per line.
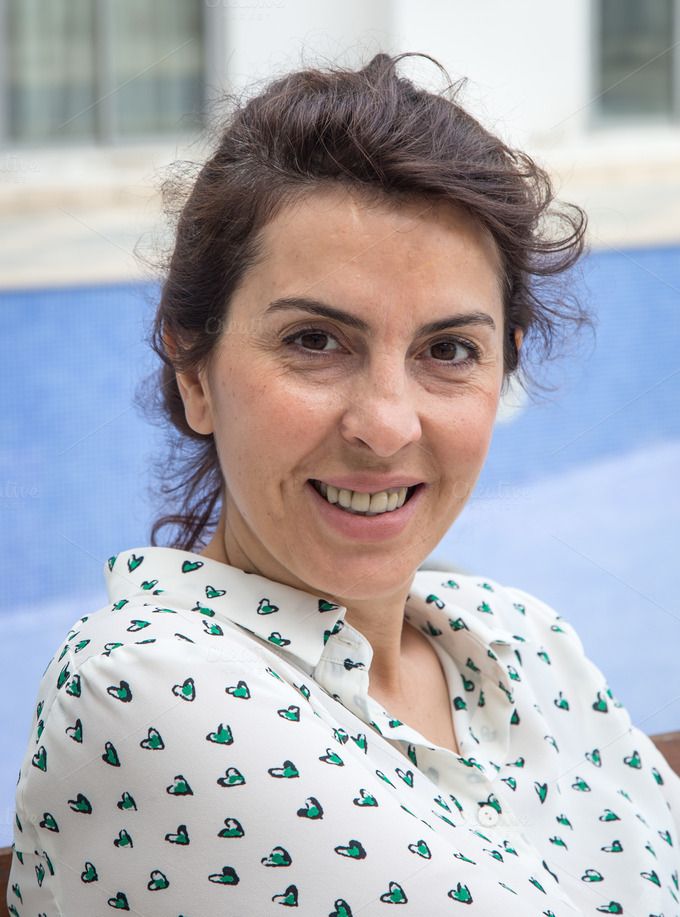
170 782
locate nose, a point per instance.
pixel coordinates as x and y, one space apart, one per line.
381 409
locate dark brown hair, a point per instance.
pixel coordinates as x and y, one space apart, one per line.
373 131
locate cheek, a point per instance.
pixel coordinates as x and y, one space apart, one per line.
264 423
467 432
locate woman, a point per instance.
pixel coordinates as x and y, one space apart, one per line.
296 715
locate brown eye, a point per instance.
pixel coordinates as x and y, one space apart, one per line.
445 352
314 340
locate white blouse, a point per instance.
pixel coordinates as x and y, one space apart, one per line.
207 745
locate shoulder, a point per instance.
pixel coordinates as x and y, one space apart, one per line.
551 672
141 654
539 648
498 606
152 629
112 701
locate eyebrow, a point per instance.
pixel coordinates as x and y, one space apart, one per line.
316 307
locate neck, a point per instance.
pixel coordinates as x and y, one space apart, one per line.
391 638
380 620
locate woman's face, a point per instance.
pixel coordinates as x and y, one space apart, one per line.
294 396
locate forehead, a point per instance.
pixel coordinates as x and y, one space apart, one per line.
351 246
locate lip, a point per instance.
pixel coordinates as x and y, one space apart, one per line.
367 529
367 483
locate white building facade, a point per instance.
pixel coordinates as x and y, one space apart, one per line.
97 95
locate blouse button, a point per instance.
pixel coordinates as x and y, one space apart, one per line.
487 816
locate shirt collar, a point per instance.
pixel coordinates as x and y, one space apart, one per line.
296 622
465 615
433 601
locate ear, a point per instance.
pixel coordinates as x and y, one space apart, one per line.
519 337
195 394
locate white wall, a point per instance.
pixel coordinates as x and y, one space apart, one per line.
528 63
529 69
527 60
261 38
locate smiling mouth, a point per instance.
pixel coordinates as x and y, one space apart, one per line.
365 504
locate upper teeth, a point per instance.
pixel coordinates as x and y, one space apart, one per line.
381 502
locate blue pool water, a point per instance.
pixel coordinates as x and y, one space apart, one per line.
578 502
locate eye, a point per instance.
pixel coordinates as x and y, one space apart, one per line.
448 346
314 340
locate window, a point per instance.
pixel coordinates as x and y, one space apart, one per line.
100 70
638 59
